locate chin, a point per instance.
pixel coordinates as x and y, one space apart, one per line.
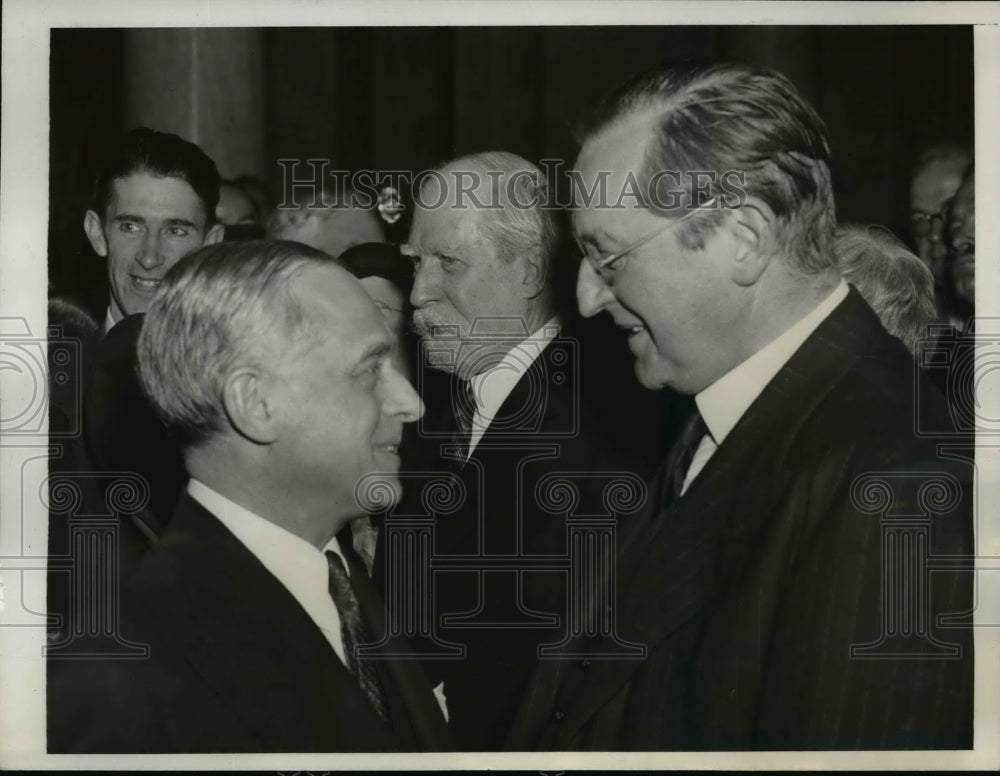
651 376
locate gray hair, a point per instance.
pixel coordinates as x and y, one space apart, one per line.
523 222
218 307
896 283
731 118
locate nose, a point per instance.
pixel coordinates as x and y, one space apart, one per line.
149 252
424 284
936 233
592 293
399 398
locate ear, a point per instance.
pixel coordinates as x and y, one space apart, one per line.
753 231
533 274
215 234
246 401
95 233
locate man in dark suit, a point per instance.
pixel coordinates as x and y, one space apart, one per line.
271 366
802 582
513 432
153 202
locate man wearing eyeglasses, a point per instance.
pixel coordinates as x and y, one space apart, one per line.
937 175
761 585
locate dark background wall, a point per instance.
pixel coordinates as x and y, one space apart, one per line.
409 98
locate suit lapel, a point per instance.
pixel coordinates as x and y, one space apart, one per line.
253 642
676 559
488 467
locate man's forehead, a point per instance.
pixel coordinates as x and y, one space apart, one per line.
446 227
935 183
965 196
336 295
160 195
610 160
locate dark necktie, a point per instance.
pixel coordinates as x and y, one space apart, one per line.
464 404
353 631
681 455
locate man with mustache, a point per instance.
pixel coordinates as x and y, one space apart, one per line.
483 246
766 584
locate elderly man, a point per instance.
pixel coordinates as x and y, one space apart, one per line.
271 365
761 586
482 245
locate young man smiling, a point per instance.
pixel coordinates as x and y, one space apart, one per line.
154 202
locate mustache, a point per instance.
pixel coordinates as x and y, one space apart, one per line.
419 326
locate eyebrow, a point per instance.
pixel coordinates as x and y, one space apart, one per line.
449 250
598 239
375 350
141 220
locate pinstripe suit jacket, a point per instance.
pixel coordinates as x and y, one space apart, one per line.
773 599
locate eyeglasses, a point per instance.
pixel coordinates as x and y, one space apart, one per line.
604 267
924 224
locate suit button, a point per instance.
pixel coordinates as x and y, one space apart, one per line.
584 664
558 715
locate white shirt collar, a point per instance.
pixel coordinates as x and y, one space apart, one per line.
109 321
293 561
492 387
725 401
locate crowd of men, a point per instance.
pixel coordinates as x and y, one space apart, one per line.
390 502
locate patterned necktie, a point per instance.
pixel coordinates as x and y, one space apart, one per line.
681 455
464 405
354 632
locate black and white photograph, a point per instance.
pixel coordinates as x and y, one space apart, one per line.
511 386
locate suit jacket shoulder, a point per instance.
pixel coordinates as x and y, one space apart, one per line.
760 594
234 665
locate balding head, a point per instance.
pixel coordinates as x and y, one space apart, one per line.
331 221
